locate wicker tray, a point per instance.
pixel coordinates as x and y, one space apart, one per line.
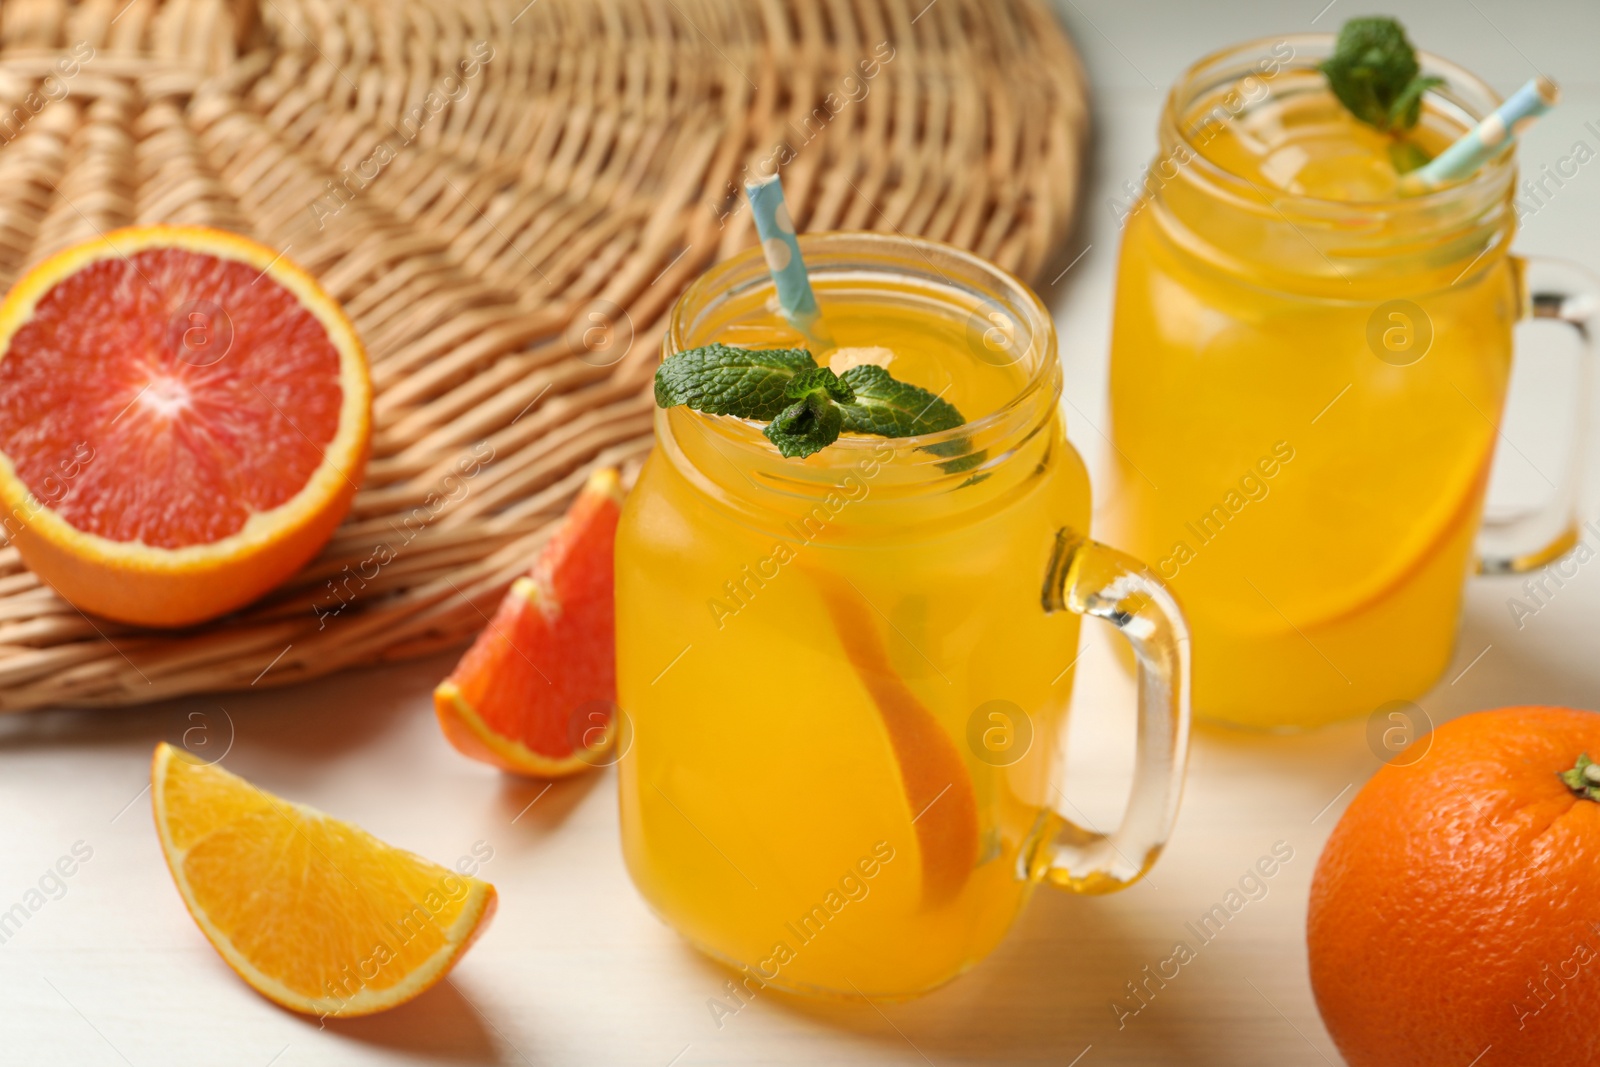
507 246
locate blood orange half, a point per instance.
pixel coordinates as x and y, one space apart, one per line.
184 418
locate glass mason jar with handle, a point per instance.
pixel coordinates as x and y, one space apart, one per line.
846 676
1308 376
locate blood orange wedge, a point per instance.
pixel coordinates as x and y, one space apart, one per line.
315 914
184 416
536 693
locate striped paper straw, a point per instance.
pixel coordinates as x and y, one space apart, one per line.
776 230
1509 120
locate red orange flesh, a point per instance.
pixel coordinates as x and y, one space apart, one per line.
536 693
184 418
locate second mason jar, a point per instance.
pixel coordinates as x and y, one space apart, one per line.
1308 373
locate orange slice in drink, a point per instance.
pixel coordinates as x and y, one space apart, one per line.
315 914
184 418
536 693
938 788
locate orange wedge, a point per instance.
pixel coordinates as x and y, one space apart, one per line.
315 914
938 788
536 693
184 419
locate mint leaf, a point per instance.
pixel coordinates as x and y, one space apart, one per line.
1407 156
747 383
1374 72
891 408
963 456
1407 107
806 406
819 379
806 426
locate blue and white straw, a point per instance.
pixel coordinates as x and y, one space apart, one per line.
775 227
1478 144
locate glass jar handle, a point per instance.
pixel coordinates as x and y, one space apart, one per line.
1088 578
1567 293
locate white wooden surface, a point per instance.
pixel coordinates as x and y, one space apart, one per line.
576 971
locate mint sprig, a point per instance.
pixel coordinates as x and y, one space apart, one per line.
1375 74
805 406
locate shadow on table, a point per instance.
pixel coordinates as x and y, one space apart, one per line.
1044 996
1489 669
441 1024
538 806
1498 667
351 710
317 721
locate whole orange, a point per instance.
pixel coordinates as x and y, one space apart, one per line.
1455 912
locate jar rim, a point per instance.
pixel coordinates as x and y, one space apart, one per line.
1480 101
816 247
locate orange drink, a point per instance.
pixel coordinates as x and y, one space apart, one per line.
1308 372
846 676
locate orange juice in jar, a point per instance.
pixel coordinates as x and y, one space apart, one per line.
847 675
1308 373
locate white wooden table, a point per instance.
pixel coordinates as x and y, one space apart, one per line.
576 971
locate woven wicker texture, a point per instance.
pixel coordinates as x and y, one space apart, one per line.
507 198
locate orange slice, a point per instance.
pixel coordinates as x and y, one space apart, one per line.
938 787
537 691
184 417
315 914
